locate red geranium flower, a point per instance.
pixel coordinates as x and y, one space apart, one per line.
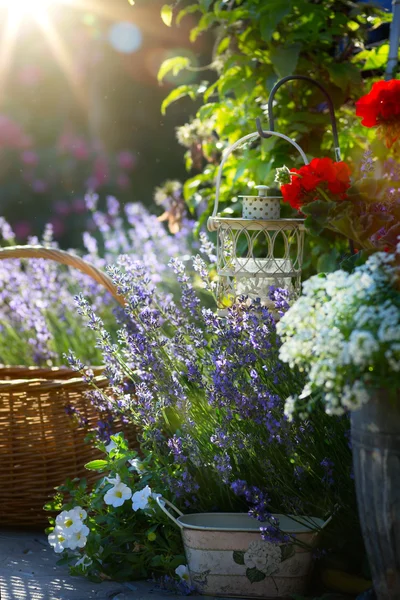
321 178
381 108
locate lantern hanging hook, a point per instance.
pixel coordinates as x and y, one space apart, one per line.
271 110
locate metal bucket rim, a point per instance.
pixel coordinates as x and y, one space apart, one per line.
301 527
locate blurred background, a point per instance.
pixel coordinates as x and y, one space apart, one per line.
80 108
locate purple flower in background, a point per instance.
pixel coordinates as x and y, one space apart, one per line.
327 465
272 534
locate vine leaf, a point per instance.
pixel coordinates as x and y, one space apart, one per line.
238 557
96 465
284 59
254 575
176 64
287 551
177 94
166 15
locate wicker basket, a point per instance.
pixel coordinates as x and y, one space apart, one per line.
40 444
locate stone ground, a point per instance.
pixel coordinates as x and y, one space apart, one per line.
28 571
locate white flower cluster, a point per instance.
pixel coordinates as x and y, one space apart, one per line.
194 132
344 333
70 531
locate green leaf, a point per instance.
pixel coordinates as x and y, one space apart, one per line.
287 551
176 94
327 263
63 561
284 59
319 210
277 10
377 58
186 11
238 557
204 23
96 465
176 64
205 4
254 575
157 560
166 14
223 45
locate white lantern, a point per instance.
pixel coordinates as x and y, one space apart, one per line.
258 250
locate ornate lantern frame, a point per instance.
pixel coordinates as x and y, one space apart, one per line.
240 271
243 273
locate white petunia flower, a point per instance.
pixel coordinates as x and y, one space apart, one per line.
140 500
58 539
117 495
138 466
70 521
183 573
78 539
81 512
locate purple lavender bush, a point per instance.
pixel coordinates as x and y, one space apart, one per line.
38 320
207 394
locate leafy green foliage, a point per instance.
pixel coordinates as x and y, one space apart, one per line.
257 43
122 544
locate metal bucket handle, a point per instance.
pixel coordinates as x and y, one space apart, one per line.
162 502
228 152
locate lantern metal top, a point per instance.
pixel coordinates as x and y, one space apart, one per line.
213 221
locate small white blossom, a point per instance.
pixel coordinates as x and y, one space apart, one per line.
70 521
118 494
138 466
140 500
78 539
58 539
343 333
183 573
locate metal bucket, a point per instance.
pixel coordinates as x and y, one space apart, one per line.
227 557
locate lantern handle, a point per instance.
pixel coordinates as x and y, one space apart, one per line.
265 134
228 151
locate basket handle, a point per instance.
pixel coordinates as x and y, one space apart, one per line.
228 152
328 99
162 502
63 258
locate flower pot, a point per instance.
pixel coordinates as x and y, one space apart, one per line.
376 455
227 557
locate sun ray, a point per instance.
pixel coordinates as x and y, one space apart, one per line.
61 54
106 10
137 14
7 44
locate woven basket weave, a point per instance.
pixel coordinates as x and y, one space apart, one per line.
40 444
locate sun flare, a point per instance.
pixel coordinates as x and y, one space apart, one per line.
21 7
